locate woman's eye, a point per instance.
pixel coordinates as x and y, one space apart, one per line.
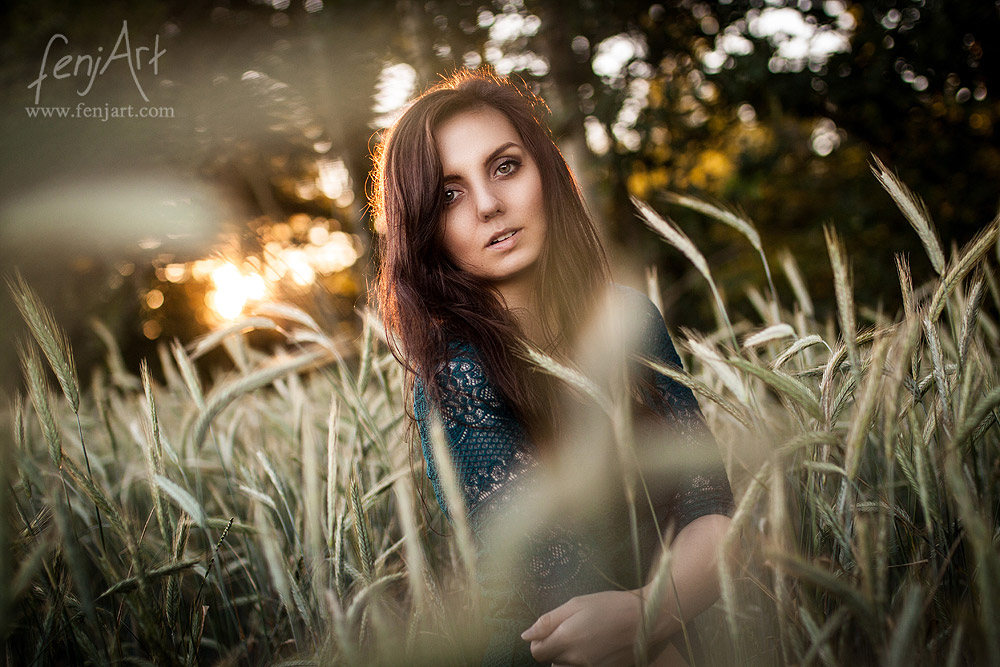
508 166
450 196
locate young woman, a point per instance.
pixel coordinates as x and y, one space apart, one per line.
487 246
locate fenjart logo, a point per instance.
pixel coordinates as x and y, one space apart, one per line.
94 67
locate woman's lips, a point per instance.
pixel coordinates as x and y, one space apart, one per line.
504 239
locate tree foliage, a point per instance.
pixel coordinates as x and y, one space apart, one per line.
771 106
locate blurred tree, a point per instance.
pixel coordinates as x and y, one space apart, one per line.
832 81
775 106
772 106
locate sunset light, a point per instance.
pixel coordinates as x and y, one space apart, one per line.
233 289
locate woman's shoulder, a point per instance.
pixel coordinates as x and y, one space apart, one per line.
632 298
653 338
461 368
637 308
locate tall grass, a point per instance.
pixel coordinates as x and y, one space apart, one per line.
273 514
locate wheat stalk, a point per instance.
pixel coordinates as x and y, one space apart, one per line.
21 442
367 351
288 519
768 334
769 311
363 542
821 639
937 364
172 379
786 385
310 495
845 295
332 473
208 342
100 499
38 392
796 347
864 412
131 583
173 594
262 377
914 210
738 220
116 364
287 312
652 606
699 388
708 354
454 498
416 561
574 378
50 337
670 233
791 269
972 306
742 516
188 373
968 258
906 285
54 343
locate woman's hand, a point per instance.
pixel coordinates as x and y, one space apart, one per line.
601 628
597 629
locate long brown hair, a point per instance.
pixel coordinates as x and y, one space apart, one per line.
427 302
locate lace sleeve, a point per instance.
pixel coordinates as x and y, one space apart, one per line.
491 453
488 445
705 489
495 464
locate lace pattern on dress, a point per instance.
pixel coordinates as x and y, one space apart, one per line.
493 460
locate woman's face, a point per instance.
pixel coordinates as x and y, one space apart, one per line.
494 217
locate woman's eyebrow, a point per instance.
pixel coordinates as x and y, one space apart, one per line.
489 158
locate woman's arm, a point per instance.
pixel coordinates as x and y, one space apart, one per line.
601 628
694 569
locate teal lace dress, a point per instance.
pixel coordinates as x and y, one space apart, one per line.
494 460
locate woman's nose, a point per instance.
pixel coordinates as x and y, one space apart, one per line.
488 203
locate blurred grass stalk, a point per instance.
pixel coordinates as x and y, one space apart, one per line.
863 456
